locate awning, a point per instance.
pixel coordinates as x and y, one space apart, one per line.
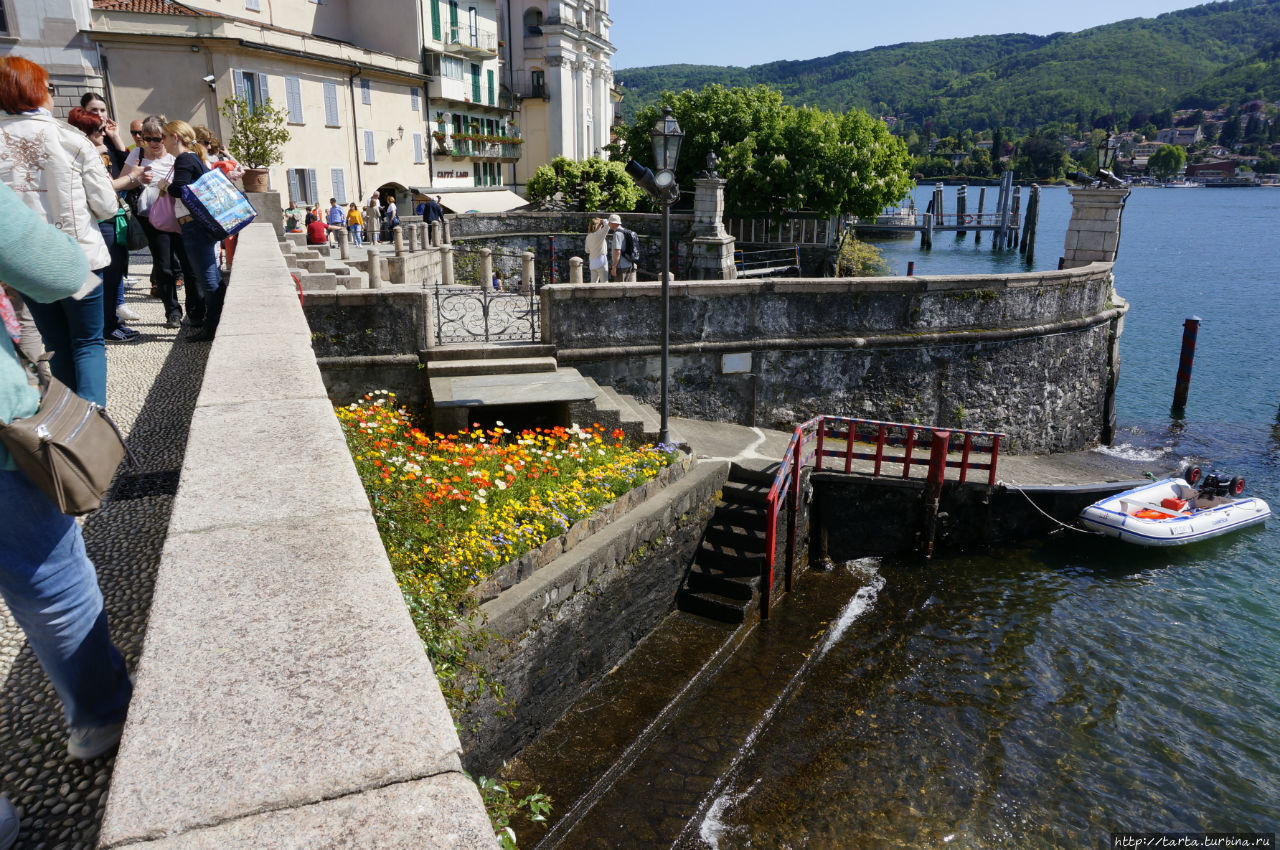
493 201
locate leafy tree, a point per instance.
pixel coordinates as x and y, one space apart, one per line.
258 134
777 157
1043 156
596 184
1167 161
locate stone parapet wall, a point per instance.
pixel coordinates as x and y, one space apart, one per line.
283 696
1027 354
570 622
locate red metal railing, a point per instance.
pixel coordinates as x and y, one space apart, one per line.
813 441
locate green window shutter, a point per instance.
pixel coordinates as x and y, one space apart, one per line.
435 19
490 74
453 19
475 83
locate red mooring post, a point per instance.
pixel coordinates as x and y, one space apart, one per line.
1190 329
911 268
933 489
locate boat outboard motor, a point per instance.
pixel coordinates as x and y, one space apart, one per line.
1214 486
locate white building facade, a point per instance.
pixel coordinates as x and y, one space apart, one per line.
558 60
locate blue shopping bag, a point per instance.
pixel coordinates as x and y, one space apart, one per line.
218 205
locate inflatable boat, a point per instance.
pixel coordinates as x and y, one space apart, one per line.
1173 512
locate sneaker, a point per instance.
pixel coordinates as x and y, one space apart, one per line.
9 824
173 322
124 314
89 742
123 334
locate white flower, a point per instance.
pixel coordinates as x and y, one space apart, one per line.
502 485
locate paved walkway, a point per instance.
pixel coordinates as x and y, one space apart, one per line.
152 386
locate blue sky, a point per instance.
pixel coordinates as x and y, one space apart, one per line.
748 32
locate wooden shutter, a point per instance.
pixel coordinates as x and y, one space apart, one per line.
262 90
417 147
365 96
293 99
435 19
370 154
295 190
339 185
413 98
237 77
330 104
491 90
475 83
453 20
311 183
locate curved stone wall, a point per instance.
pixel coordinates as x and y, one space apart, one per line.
1032 354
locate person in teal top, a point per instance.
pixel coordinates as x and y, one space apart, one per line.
46 577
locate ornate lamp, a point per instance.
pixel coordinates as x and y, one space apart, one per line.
1107 150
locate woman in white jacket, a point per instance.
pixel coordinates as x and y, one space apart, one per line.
55 170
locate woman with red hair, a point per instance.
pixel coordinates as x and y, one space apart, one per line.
56 172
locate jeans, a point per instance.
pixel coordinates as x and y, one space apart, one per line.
167 257
72 330
112 276
202 256
355 233
51 589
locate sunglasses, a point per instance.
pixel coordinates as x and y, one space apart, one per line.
135 132
153 138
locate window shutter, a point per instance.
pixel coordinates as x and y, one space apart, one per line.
331 104
293 99
365 96
453 19
253 5
490 75
262 90
413 98
417 147
311 182
435 19
370 154
475 82
237 77
339 185
295 190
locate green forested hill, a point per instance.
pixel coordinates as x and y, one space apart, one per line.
1108 73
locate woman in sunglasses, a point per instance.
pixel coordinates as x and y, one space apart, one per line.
167 256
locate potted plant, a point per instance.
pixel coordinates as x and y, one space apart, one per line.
257 138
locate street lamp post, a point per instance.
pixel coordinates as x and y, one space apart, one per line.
666 136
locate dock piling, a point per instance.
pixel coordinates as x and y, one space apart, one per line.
982 199
1190 330
962 204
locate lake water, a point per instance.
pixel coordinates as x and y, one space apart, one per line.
1050 694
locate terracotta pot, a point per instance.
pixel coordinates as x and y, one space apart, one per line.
255 179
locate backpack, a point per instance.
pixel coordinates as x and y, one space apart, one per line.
629 252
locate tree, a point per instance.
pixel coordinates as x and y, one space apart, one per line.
1043 156
777 157
595 184
258 134
1167 161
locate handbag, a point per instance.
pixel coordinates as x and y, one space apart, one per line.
163 216
69 448
129 230
220 207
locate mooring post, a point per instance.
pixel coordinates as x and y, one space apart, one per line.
938 203
344 252
962 204
1013 218
575 270
1190 329
911 268
982 199
933 489
375 269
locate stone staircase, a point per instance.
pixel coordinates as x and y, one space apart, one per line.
318 267
724 581
465 377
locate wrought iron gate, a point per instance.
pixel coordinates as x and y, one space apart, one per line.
479 314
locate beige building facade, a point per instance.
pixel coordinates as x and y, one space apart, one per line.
558 65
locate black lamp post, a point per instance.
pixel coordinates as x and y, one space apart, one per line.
1107 150
663 190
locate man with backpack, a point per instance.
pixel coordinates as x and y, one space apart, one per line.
626 253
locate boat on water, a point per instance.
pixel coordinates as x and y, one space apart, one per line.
1183 184
1173 512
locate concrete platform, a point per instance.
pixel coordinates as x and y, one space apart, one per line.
564 385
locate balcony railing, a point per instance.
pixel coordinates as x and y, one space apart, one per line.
475 44
483 150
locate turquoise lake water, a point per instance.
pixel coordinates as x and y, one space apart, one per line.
1050 694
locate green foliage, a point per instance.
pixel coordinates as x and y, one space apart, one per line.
859 259
257 135
503 806
1202 56
776 157
596 184
1167 161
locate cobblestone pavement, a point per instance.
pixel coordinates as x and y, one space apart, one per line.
152 386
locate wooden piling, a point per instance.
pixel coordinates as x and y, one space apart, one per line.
982 199
962 204
1028 245
1013 218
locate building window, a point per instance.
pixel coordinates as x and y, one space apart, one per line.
435 19
253 5
538 83
492 95
453 68
302 185
339 182
366 95
331 104
533 23
473 27
417 148
475 82
293 99
370 152
252 87
413 98
4 19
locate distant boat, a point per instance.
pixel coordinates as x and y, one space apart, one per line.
1183 184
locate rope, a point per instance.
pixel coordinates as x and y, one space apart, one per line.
1047 516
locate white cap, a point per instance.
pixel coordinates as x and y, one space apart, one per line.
615 219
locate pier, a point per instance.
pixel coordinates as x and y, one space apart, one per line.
1004 221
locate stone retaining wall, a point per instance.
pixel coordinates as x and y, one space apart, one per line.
283 696
570 622
1028 354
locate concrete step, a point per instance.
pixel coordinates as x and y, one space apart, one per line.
722 584
491 351
757 472
745 493
748 541
316 266
318 282
607 412
629 419
729 560
745 517
713 606
508 366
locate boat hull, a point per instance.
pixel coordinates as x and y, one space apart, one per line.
1115 516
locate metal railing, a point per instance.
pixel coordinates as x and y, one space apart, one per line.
873 441
905 220
467 314
767 262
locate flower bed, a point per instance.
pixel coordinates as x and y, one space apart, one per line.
453 510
